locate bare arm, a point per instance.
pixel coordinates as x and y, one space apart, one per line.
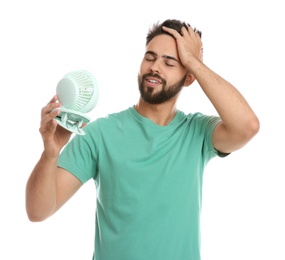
48 186
239 123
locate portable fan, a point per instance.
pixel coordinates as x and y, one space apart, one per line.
78 93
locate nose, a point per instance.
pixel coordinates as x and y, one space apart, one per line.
155 68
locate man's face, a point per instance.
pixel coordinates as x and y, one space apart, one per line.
161 76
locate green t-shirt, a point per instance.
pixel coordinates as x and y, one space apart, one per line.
148 181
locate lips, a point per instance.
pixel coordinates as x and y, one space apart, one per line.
153 81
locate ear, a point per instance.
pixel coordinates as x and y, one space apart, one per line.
189 79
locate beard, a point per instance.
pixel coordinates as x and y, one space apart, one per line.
167 92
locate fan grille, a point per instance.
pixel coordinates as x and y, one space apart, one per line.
86 86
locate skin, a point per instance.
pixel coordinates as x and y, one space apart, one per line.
172 58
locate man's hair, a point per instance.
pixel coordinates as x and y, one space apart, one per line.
177 25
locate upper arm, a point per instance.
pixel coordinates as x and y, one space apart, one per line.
66 186
225 141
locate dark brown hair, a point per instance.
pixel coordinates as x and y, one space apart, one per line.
156 28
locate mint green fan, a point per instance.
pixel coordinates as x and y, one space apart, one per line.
78 93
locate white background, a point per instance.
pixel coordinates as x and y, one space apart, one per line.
243 201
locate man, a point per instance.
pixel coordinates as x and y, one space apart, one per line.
147 161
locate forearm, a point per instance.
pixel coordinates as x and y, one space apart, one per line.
41 189
239 121
231 106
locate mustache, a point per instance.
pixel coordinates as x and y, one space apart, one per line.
154 75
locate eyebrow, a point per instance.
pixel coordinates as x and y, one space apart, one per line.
163 56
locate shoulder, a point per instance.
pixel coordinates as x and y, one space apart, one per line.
109 120
199 118
198 124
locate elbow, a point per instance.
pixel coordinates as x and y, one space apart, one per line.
37 214
237 137
248 131
35 217
253 127
38 210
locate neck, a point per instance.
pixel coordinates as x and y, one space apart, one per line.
161 114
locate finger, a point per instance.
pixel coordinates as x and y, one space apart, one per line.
184 31
199 33
54 99
47 117
196 31
173 32
50 108
48 125
192 31
189 31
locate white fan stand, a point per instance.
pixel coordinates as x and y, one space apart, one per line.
78 93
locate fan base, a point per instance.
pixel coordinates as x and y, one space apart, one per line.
72 120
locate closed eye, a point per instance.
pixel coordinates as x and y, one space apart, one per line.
169 61
149 59
168 64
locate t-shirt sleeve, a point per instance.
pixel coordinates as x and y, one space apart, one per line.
80 155
209 123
